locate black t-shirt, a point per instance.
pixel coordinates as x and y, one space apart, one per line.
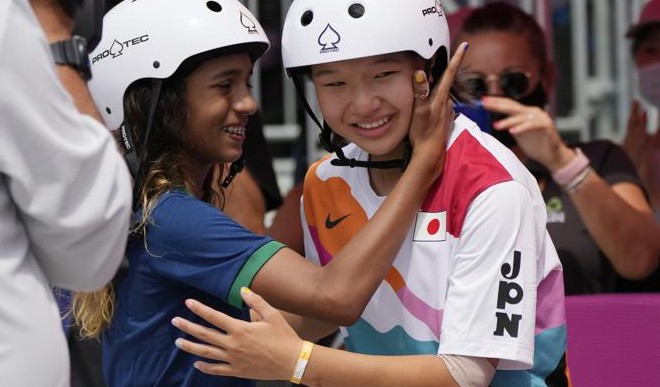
586 269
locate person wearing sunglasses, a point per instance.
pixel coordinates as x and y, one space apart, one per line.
598 215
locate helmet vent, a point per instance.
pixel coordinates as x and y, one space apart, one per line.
107 110
214 6
156 64
306 18
356 11
430 42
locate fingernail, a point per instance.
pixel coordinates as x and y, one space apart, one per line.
497 124
175 321
484 99
467 45
189 303
245 290
419 76
177 342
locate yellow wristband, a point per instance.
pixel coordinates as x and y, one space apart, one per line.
303 358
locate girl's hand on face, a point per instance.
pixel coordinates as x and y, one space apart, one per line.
433 115
266 348
534 130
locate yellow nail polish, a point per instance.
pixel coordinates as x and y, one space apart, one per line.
419 76
245 290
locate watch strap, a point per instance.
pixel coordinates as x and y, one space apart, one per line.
72 52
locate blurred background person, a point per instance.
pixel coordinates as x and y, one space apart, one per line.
598 215
643 147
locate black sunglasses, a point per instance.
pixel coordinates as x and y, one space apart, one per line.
514 84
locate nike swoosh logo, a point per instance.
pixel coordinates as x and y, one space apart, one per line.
329 224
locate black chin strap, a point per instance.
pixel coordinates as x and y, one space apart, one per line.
327 144
343 161
234 169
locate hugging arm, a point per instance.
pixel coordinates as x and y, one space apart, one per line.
267 349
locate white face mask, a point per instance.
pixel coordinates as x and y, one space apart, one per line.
649 83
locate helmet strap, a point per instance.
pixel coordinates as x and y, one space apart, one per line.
234 169
130 154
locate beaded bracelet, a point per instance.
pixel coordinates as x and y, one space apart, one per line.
303 359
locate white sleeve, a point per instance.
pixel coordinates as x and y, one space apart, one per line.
68 182
490 310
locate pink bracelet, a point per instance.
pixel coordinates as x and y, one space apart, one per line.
566 174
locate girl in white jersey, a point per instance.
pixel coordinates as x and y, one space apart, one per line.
475 295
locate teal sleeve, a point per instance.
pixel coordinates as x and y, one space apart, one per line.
250 269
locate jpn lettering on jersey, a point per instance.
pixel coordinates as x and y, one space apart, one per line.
509 293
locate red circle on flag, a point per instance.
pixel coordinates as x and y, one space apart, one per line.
433 226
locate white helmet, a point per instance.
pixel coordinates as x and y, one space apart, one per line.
322 31
151 38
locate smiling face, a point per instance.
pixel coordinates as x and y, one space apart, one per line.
219 101
369 101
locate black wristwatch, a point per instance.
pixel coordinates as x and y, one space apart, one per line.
73 52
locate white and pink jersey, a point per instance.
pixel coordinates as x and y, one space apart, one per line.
478 274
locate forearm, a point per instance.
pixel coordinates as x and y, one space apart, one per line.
621 224
329 367
308 328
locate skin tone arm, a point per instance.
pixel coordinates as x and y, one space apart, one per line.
339 291
268 349
57 26
618 217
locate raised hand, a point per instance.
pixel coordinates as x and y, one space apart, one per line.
266 348
644 151
433 114
534 130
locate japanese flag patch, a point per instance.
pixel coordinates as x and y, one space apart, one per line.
430 227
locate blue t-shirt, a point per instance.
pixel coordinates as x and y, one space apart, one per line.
192 250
